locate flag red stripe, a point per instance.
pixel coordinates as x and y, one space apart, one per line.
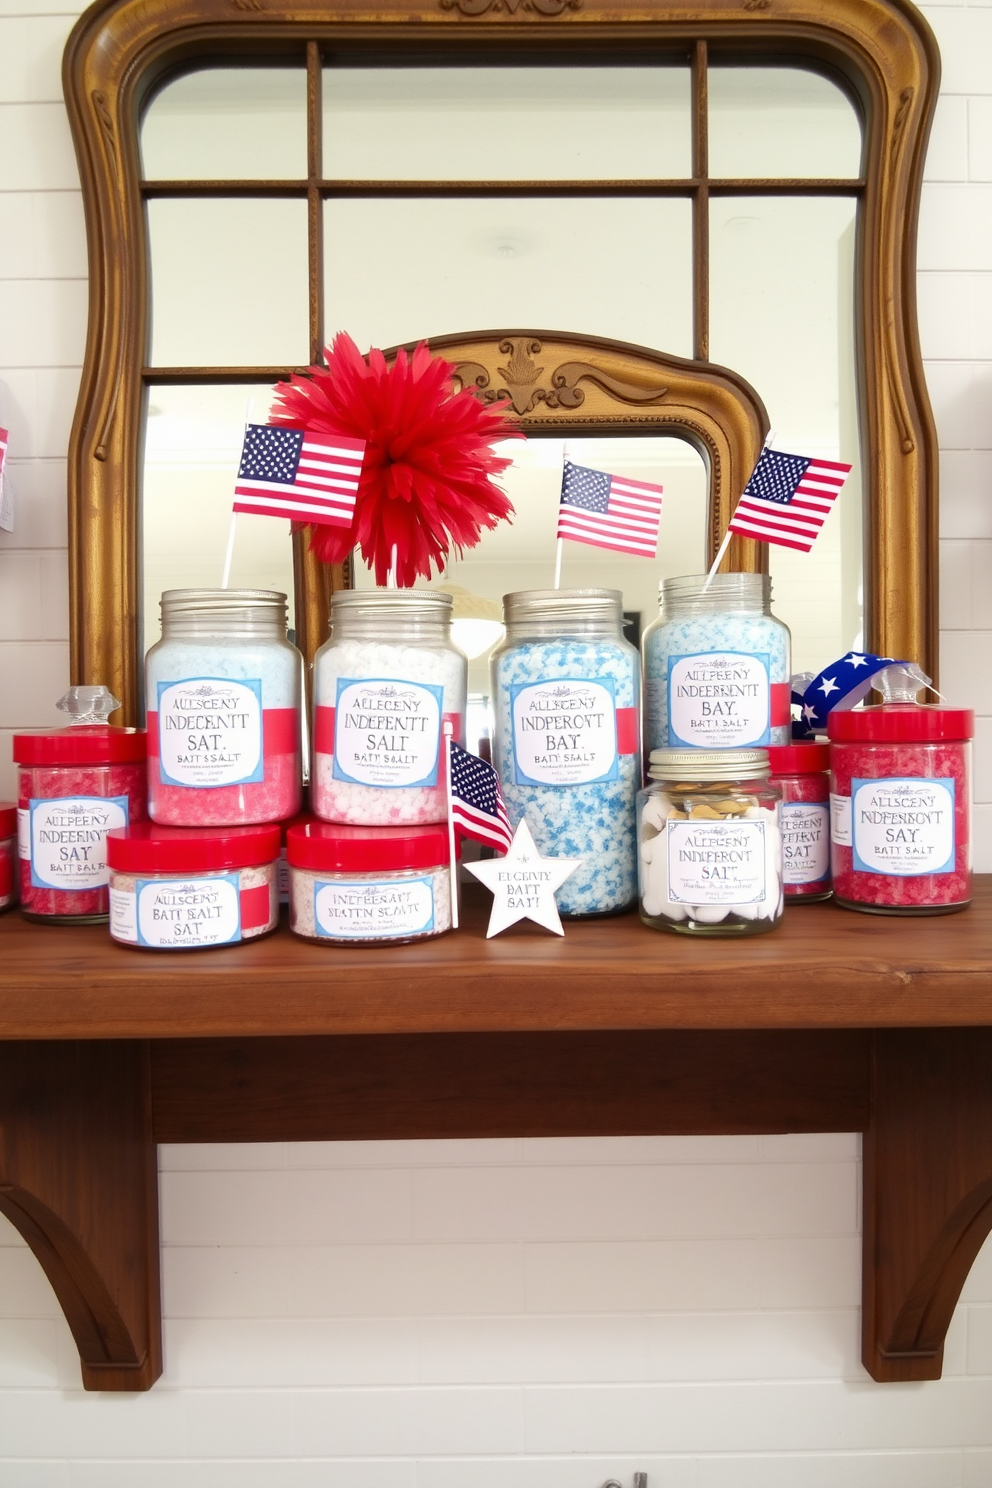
642 551
607 521
777 518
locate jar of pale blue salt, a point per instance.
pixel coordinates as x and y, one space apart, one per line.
717 666
566 743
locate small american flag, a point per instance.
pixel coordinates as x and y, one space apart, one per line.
477 807
299 474
787 499
608 511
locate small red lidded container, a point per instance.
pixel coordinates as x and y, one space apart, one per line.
175 888
900 798
74 786
801 771
8 855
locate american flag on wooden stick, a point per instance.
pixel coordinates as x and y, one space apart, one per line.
477 807
299 474
787 499
608 511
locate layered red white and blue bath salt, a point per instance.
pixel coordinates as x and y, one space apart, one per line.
567 748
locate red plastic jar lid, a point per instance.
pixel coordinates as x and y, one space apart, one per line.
293 821
8 819
799 759
900 723
86 744
146 848
330 847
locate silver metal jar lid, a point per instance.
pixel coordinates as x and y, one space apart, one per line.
704 765
426 604
562 604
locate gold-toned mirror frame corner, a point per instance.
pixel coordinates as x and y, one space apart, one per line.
883 49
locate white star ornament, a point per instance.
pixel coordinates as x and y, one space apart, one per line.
523 884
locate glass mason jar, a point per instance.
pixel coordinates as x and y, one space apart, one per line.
565 688
801 771
223 697
717 668
384 684
709 843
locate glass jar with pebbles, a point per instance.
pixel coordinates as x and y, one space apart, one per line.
565 689
384 684
717 666
710 846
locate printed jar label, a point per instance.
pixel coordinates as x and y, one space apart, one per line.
387 732
716 862
368 911
903 827
68 840
210 732
840 820
564 731
805 841
23 832
719 700
178 912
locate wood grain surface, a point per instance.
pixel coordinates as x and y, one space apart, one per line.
824 967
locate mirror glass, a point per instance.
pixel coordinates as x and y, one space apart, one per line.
240 123
399 270
509 123
192 449
768 122
229 282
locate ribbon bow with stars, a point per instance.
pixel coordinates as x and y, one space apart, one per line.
840 685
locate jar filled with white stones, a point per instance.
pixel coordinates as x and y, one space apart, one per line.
385 683
717 666
709 843
565 688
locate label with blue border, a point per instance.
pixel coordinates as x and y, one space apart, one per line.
903 826
564 731
364 909
387 732
210 732
68 840
719 700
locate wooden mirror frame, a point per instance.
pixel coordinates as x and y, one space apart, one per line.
882 50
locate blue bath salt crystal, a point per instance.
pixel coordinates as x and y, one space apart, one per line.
557 749
709 679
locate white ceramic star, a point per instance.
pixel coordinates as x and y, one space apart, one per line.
856 659
523 884
828 685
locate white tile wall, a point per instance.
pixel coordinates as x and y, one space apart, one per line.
491 1314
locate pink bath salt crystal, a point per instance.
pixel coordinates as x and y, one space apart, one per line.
8 854
801 773
277 796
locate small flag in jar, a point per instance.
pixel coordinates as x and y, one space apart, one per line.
299 474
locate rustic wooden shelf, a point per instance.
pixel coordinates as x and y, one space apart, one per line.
836 1022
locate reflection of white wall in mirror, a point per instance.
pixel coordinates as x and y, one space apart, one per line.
193 444
518 123
249 123
780 121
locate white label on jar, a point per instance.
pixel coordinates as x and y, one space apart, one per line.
69 840
370 911
903 827
716 862
805 841
123 916
840 820
189 911
23 832
719 700
564 731
387 732
210 732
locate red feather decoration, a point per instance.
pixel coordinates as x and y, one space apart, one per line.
426 484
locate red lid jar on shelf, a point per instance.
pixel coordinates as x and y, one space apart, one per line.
801 771
8 855
900 795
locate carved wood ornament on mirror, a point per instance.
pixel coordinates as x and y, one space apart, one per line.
881 50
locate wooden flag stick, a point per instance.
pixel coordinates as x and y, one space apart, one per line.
558 554
452 860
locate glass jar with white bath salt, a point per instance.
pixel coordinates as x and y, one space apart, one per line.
8 855
709 843
566 686
385 684
175 889
802 773
351 884
717 668
223 697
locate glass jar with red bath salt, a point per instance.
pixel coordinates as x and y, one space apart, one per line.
900 783
222 695
801 771
183 890
74 786
8 855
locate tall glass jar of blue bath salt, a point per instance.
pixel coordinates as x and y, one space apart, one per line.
566 744
717 666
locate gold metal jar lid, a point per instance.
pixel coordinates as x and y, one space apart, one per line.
704 765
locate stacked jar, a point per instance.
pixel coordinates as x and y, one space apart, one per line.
8 855
565 687
801 771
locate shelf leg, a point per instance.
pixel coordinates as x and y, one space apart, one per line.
927 1192
78 1179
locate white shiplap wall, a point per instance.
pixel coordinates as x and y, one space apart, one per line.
490 1314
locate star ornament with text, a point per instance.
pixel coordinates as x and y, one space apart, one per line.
523 884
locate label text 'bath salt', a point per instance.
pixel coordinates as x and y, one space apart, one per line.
210 732
68 840
564 731
903 827
716 862
387 732
719 700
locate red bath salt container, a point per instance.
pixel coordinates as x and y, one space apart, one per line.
8 855
900 798
801 771
74 786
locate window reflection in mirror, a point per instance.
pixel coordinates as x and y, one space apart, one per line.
242 123
770 122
